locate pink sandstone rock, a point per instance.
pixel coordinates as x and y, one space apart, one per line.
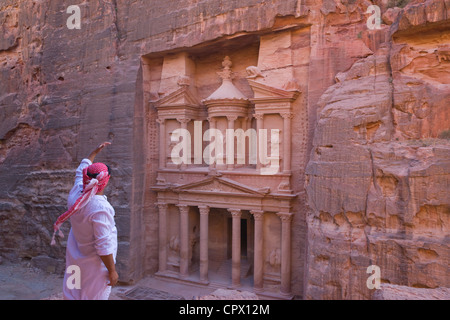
365 111
224 294
377 173
395 292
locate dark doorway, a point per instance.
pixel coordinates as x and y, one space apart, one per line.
244 238
229 238
244 243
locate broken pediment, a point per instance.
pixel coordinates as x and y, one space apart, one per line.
263 91
219 185
180 103
181 97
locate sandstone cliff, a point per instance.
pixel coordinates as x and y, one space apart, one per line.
373 186
377 180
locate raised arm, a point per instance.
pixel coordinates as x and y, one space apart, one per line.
97 150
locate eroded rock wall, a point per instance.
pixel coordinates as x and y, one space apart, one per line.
62 91
375 103
61 94
378 177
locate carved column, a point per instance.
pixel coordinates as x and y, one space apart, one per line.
184 239
184 122
162 142
259 125
162 208
236 248
286 218
258 262
244 125
230 141
212 125
287 116
204 212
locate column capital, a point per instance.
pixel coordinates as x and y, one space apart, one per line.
257 214
161 120
232 118
183 208
204 210
162 205
183 120
285 216
287 115
235 212
258 116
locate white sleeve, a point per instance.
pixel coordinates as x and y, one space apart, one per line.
79 173
103 226
78 185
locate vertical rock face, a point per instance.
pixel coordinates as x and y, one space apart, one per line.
378 173
373 153
60 96
62 91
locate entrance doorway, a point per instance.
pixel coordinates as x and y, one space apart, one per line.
244 238
221 243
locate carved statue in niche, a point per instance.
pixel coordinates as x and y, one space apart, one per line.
271 153
171 145
284 186
174 250
254 72
274 261
194 240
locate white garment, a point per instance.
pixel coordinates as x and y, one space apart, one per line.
93 234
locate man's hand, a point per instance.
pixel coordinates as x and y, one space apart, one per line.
97 150
108 260
113 278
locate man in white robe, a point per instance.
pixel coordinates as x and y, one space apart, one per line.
92 242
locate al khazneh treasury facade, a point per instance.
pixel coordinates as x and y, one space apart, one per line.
226 201
356 152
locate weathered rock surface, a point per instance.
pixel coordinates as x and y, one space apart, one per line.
62 91
224 294
378 175
394 292
375 163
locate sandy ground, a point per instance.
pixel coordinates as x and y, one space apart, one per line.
21 282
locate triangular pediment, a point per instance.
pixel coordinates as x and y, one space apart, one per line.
181 97
262 90
218 185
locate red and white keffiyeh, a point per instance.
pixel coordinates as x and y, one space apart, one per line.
91 186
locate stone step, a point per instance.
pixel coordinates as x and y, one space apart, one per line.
225 269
